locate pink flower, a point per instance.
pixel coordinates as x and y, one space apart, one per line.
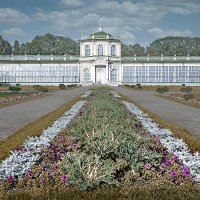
74 147
29 173
148 166
185 171
64 178
161 169
167 162
11 179
173 174
176 158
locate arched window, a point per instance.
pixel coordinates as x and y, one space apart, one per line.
100 50
113 75
86 75
113 50
87 50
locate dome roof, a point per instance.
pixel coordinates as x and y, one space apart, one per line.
100 34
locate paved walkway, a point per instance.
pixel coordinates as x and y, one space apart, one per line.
16 116
176 113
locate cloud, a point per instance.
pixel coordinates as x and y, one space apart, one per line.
120 17
158 32
14 32
9 15
72 3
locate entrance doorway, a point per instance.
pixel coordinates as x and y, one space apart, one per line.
100 75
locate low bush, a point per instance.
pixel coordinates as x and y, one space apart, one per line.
139 86
186 89
132 86
15 89
40 88
62 86
72 85
188 96
162 90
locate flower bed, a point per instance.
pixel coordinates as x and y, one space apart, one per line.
23 158
103 146
20 97
175 146
195 97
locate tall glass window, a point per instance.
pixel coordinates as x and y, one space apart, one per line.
87 50
86 74
114 75
113 50
100 50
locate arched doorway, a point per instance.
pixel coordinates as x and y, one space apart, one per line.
86 75
100 75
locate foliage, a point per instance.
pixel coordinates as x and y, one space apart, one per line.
41 88
186 89
62 86
50 44
106 136
162 90
16 48
5 47
72 85
131 50
188 96
14 88
33 129
181 46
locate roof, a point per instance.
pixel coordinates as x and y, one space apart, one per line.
101 35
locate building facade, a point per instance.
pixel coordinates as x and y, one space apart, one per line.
100 62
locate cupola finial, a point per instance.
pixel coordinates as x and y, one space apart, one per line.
100 25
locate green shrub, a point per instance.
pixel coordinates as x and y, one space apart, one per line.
40 88
186 89
15 89
132 86
71 85
62 86
188 96
162 90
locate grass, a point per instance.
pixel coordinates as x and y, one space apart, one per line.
185 102
33 129
161 192
192 141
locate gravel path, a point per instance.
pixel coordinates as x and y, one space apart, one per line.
16 116
176 113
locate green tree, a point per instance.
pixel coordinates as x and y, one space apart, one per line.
5 47
16 48
50 44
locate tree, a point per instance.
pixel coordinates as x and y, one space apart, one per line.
181 46
5 47
131 50
16 48
50 44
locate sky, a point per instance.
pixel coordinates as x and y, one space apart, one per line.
135 21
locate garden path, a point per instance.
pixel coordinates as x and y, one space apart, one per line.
18 115
173 112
